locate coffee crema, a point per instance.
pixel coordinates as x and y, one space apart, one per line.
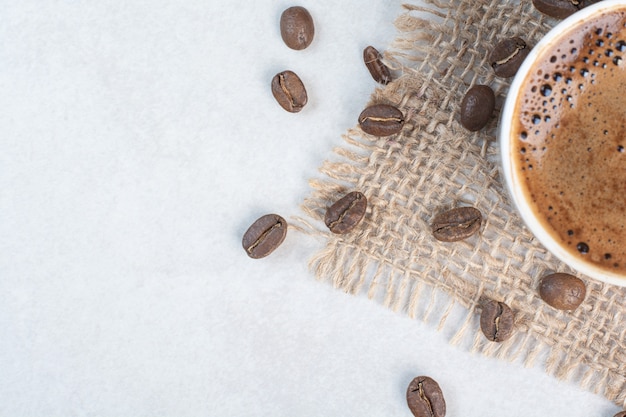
569 133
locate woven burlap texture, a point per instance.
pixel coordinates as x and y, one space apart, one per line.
433 165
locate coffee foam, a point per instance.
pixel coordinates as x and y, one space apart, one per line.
570 125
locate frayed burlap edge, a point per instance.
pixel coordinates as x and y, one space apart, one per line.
433 165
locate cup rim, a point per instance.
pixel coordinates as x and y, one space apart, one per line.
504 140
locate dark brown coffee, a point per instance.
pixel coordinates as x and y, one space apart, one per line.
497 321
507 56
373 61
477 107
289 91
425 398
346 213
264 235
569 133
562 291
456 224
381 120
297 28
561 9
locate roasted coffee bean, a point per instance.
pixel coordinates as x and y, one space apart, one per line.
346 213
265 235
373 61
296 27
289 91
562 291
456 224
425 398
381 120
507 56
477 107
560 9
620 414
496 321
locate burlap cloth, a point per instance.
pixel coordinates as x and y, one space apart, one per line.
435 164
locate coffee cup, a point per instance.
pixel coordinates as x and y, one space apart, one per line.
562 136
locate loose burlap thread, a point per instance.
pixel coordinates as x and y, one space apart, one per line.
435 164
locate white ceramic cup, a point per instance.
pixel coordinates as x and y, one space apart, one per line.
512 178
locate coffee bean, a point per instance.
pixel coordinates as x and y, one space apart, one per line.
289 91
477 107
381 120
425 398
560 9
373 61
620 414
562 291
496 321
265 235
346 213
296 27
456 224
507 56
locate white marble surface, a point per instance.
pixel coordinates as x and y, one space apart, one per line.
138 140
